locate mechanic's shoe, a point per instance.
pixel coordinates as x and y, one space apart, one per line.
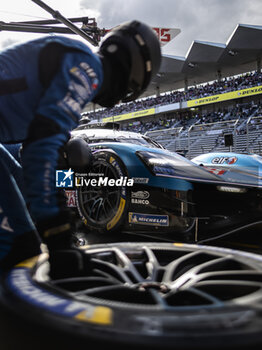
62 244
65 263
24 246
56 231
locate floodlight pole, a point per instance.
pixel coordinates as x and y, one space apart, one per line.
57 15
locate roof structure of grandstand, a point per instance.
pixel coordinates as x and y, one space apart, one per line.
208 61
195 101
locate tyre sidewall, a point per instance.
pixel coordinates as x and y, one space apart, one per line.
118 218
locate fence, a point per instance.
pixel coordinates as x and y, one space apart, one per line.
239 135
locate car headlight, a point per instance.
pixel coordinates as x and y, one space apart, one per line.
231 189
160 164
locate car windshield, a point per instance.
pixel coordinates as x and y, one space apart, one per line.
103 133
145 141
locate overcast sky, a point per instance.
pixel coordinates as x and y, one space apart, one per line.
208 20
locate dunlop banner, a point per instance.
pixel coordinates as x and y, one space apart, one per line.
132 115
225 97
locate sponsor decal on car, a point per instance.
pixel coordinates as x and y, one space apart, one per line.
70 198
163 170
140 197
140 194
140 201
224 160
140 180
148 219
216 171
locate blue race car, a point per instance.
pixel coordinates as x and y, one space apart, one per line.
245 169
136 185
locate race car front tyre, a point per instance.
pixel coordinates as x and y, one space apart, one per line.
102 201
150 294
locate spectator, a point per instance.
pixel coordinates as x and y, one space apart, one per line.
217 87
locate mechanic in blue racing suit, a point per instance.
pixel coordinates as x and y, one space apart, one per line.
44 85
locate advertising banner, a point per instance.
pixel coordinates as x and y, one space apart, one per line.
225 97
132 115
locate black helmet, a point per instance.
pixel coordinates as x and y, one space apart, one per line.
134 53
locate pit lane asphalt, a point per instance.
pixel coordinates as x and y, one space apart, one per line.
16 333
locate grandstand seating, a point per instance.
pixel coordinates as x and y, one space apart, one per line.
228 84
210 138
194 134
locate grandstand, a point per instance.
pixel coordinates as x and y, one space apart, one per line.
212 95
210 137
